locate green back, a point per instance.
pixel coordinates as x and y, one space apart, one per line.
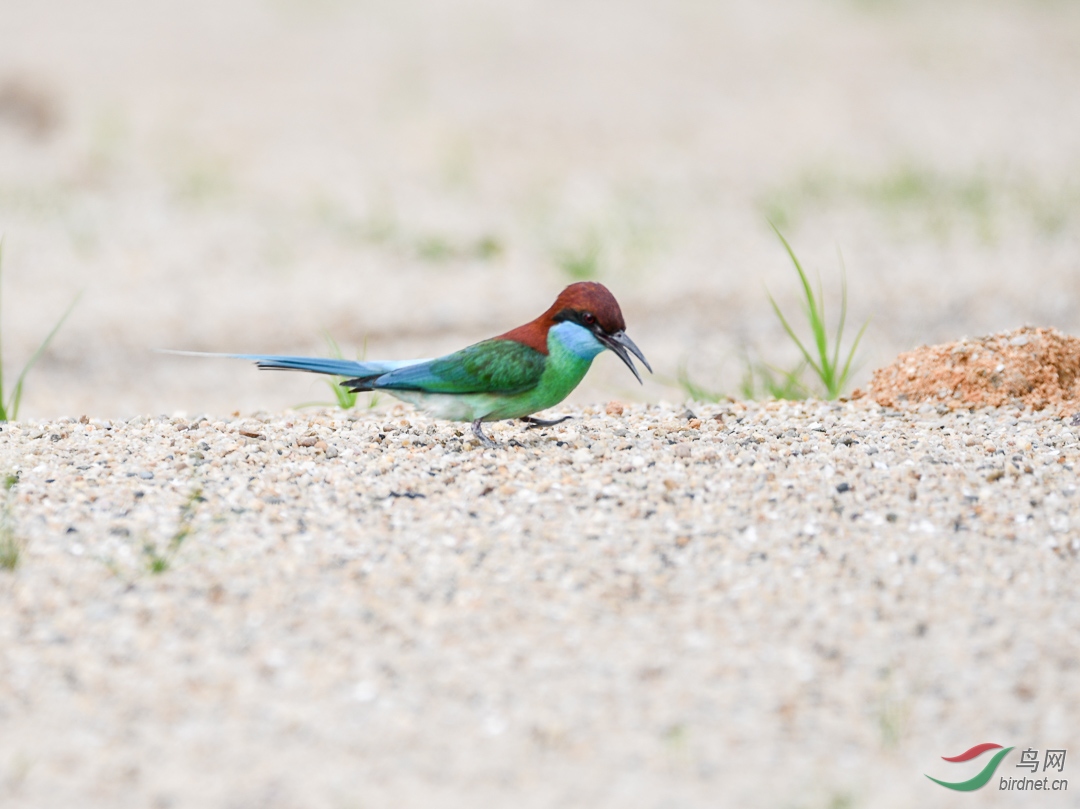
492 366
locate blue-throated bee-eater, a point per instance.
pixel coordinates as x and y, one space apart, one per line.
512 376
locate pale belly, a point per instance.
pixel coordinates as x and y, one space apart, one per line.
450 406
473 406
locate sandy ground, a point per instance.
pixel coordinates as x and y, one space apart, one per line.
786 605
410 177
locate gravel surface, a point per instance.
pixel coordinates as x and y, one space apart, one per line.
412 178
784 604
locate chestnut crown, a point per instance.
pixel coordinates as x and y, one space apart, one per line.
589 304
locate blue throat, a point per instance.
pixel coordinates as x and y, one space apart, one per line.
576 339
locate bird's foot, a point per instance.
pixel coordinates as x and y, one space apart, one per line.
478 431
537 423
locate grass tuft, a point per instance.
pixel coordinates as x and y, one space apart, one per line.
695 391
11 547
831 370
343 397
759 380
346 399
892 722
9 406
775 383
158 561
824 358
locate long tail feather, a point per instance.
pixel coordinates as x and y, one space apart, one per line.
317 365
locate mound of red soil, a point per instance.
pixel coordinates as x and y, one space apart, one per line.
1036 368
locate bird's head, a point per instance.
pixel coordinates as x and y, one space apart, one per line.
591 306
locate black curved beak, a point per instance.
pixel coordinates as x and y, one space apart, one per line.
623 347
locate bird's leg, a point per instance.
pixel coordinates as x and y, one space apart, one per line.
536 423
478 431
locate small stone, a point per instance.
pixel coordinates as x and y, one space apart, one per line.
614 408
582 456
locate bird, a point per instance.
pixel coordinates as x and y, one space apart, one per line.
512 376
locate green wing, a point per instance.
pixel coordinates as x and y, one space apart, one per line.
493 366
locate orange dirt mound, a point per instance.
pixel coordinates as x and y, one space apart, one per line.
1036 368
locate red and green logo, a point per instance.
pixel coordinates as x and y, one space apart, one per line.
984 776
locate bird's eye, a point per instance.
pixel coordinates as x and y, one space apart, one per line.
589 318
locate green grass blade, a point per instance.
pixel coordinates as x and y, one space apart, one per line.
746 384
807 289
842 323
792 386
785 384
794 337
694 390
851 355
815 311
819 325
16 395
343 397
827 365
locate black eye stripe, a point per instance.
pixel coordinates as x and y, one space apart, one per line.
587 319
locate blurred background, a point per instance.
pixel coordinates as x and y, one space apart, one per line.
413 176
